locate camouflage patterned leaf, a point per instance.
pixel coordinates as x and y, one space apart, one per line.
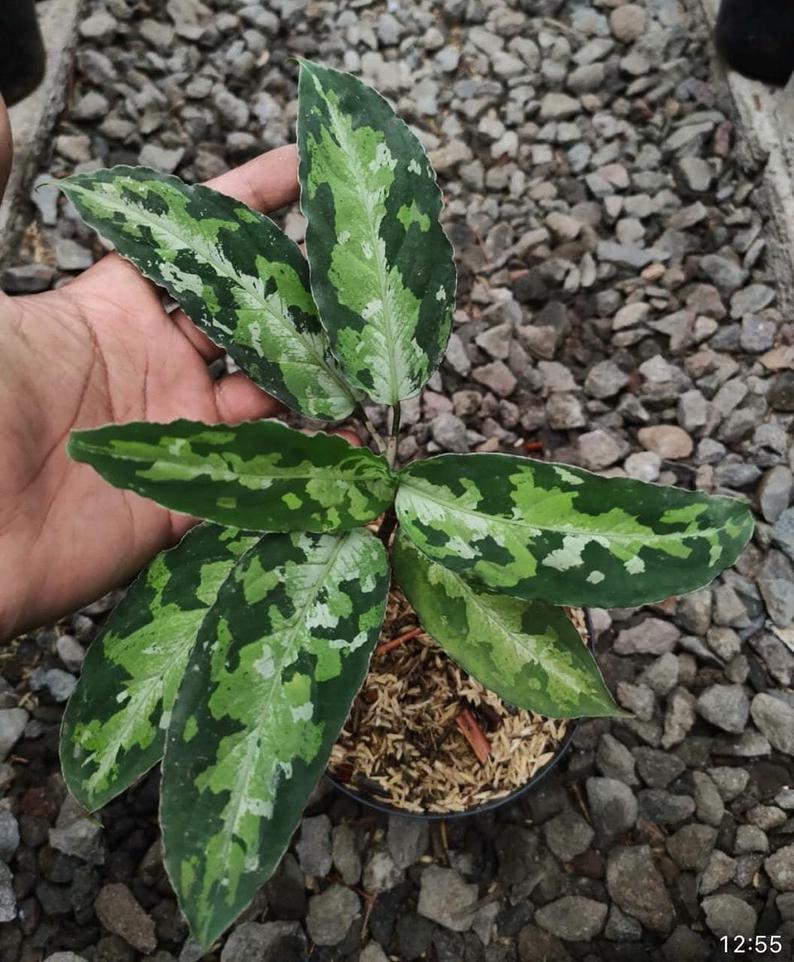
528 652
382 271
114 726
235 274
259 475
269 685
566 536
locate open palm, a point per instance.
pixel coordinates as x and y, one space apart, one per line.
102 349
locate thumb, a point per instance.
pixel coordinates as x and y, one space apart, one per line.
6 147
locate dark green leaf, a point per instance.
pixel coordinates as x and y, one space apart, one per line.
564 535
259 475
114 726
270 682
528 652
235 274
382 270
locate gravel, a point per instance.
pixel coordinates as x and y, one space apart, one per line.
618 310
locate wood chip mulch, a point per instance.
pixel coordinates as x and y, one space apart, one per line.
425 737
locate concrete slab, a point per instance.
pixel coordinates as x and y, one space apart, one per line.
33 119
766 143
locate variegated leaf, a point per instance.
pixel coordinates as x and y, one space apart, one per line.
235 274
270 682
528 652
259 475
382 270
114 726
564 535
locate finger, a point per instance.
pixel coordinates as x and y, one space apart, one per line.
238 399
208 349
6 147
266 182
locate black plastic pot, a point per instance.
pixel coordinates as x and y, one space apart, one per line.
372 801
755 38
22 55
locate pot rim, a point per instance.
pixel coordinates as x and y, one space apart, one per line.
563 748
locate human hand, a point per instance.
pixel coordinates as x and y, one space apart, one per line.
102 349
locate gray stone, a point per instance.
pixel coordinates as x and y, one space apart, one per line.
628 22
99 27
60 684
70 651
663 807
80 837
8 899
605 380
331 914
637 886
26 279
613 807
621 928
661 675
71 255
449 433
373 953
696 174
599 449
161 158
776 584
774 492
12 724
709 804
573 918
685 945
567 835
257 942
679 717
783 532
751 300
638 699
758 334
691 846
9 836
667 440
614 760
724 272
652 636
534 945
726 706
314 849
345 853
781 391
558 106
496 340
720 870
408 840
657 769
445 898
497 377
630 255
564 412
729 915
780 869
65 957
775 719
730 781
750 838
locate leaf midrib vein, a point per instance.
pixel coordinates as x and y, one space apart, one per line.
221 270
519 523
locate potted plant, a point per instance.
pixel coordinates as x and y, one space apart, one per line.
236 656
